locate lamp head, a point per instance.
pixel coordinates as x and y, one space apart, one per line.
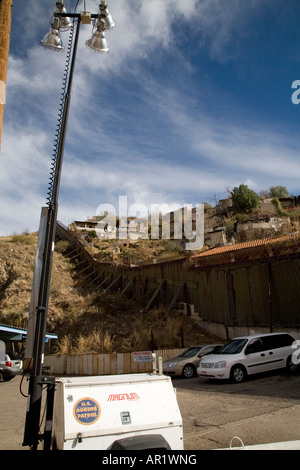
52 40
104 13
98 41
64 22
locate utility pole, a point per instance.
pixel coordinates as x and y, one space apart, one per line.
5 26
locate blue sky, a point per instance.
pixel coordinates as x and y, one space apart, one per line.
193 98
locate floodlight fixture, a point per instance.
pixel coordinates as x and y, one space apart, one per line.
103 22
104 13
64 22
52 40
98 41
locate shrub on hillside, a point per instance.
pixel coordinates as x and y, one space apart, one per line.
244 199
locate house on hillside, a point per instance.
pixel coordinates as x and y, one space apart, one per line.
214 233
107 226
216 237
100 224
289 202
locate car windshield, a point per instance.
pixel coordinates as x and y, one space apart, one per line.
190 352
233 347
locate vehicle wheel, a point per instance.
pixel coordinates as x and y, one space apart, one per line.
1 377
188 371
290 365
238 374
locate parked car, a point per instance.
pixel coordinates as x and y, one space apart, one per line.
186 363
12 366
248 355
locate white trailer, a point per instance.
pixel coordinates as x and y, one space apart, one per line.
130 411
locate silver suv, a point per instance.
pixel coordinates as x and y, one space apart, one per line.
12 366
248 355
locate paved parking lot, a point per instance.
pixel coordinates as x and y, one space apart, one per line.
261 410
12 411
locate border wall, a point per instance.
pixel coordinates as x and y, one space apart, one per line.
253 286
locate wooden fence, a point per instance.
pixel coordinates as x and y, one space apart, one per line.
103 364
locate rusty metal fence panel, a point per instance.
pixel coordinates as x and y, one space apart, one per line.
259 292
286 293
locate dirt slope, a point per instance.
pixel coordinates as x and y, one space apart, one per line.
85 320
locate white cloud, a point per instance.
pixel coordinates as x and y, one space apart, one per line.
233 143
168 147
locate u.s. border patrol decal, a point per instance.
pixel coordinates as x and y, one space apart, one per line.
86 411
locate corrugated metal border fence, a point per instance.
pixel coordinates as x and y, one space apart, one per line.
256 286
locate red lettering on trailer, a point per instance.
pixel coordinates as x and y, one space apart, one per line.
123 396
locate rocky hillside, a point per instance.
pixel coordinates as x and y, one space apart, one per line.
85 320
97 321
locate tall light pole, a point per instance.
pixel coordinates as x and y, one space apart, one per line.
5 27
60 21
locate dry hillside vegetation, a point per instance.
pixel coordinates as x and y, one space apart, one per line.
123 252
85 320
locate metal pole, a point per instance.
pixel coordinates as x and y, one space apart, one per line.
269 278
5 27
36 382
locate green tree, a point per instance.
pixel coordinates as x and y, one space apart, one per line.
91 234
279 191
244 199
277 205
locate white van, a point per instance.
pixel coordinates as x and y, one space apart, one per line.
250 355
